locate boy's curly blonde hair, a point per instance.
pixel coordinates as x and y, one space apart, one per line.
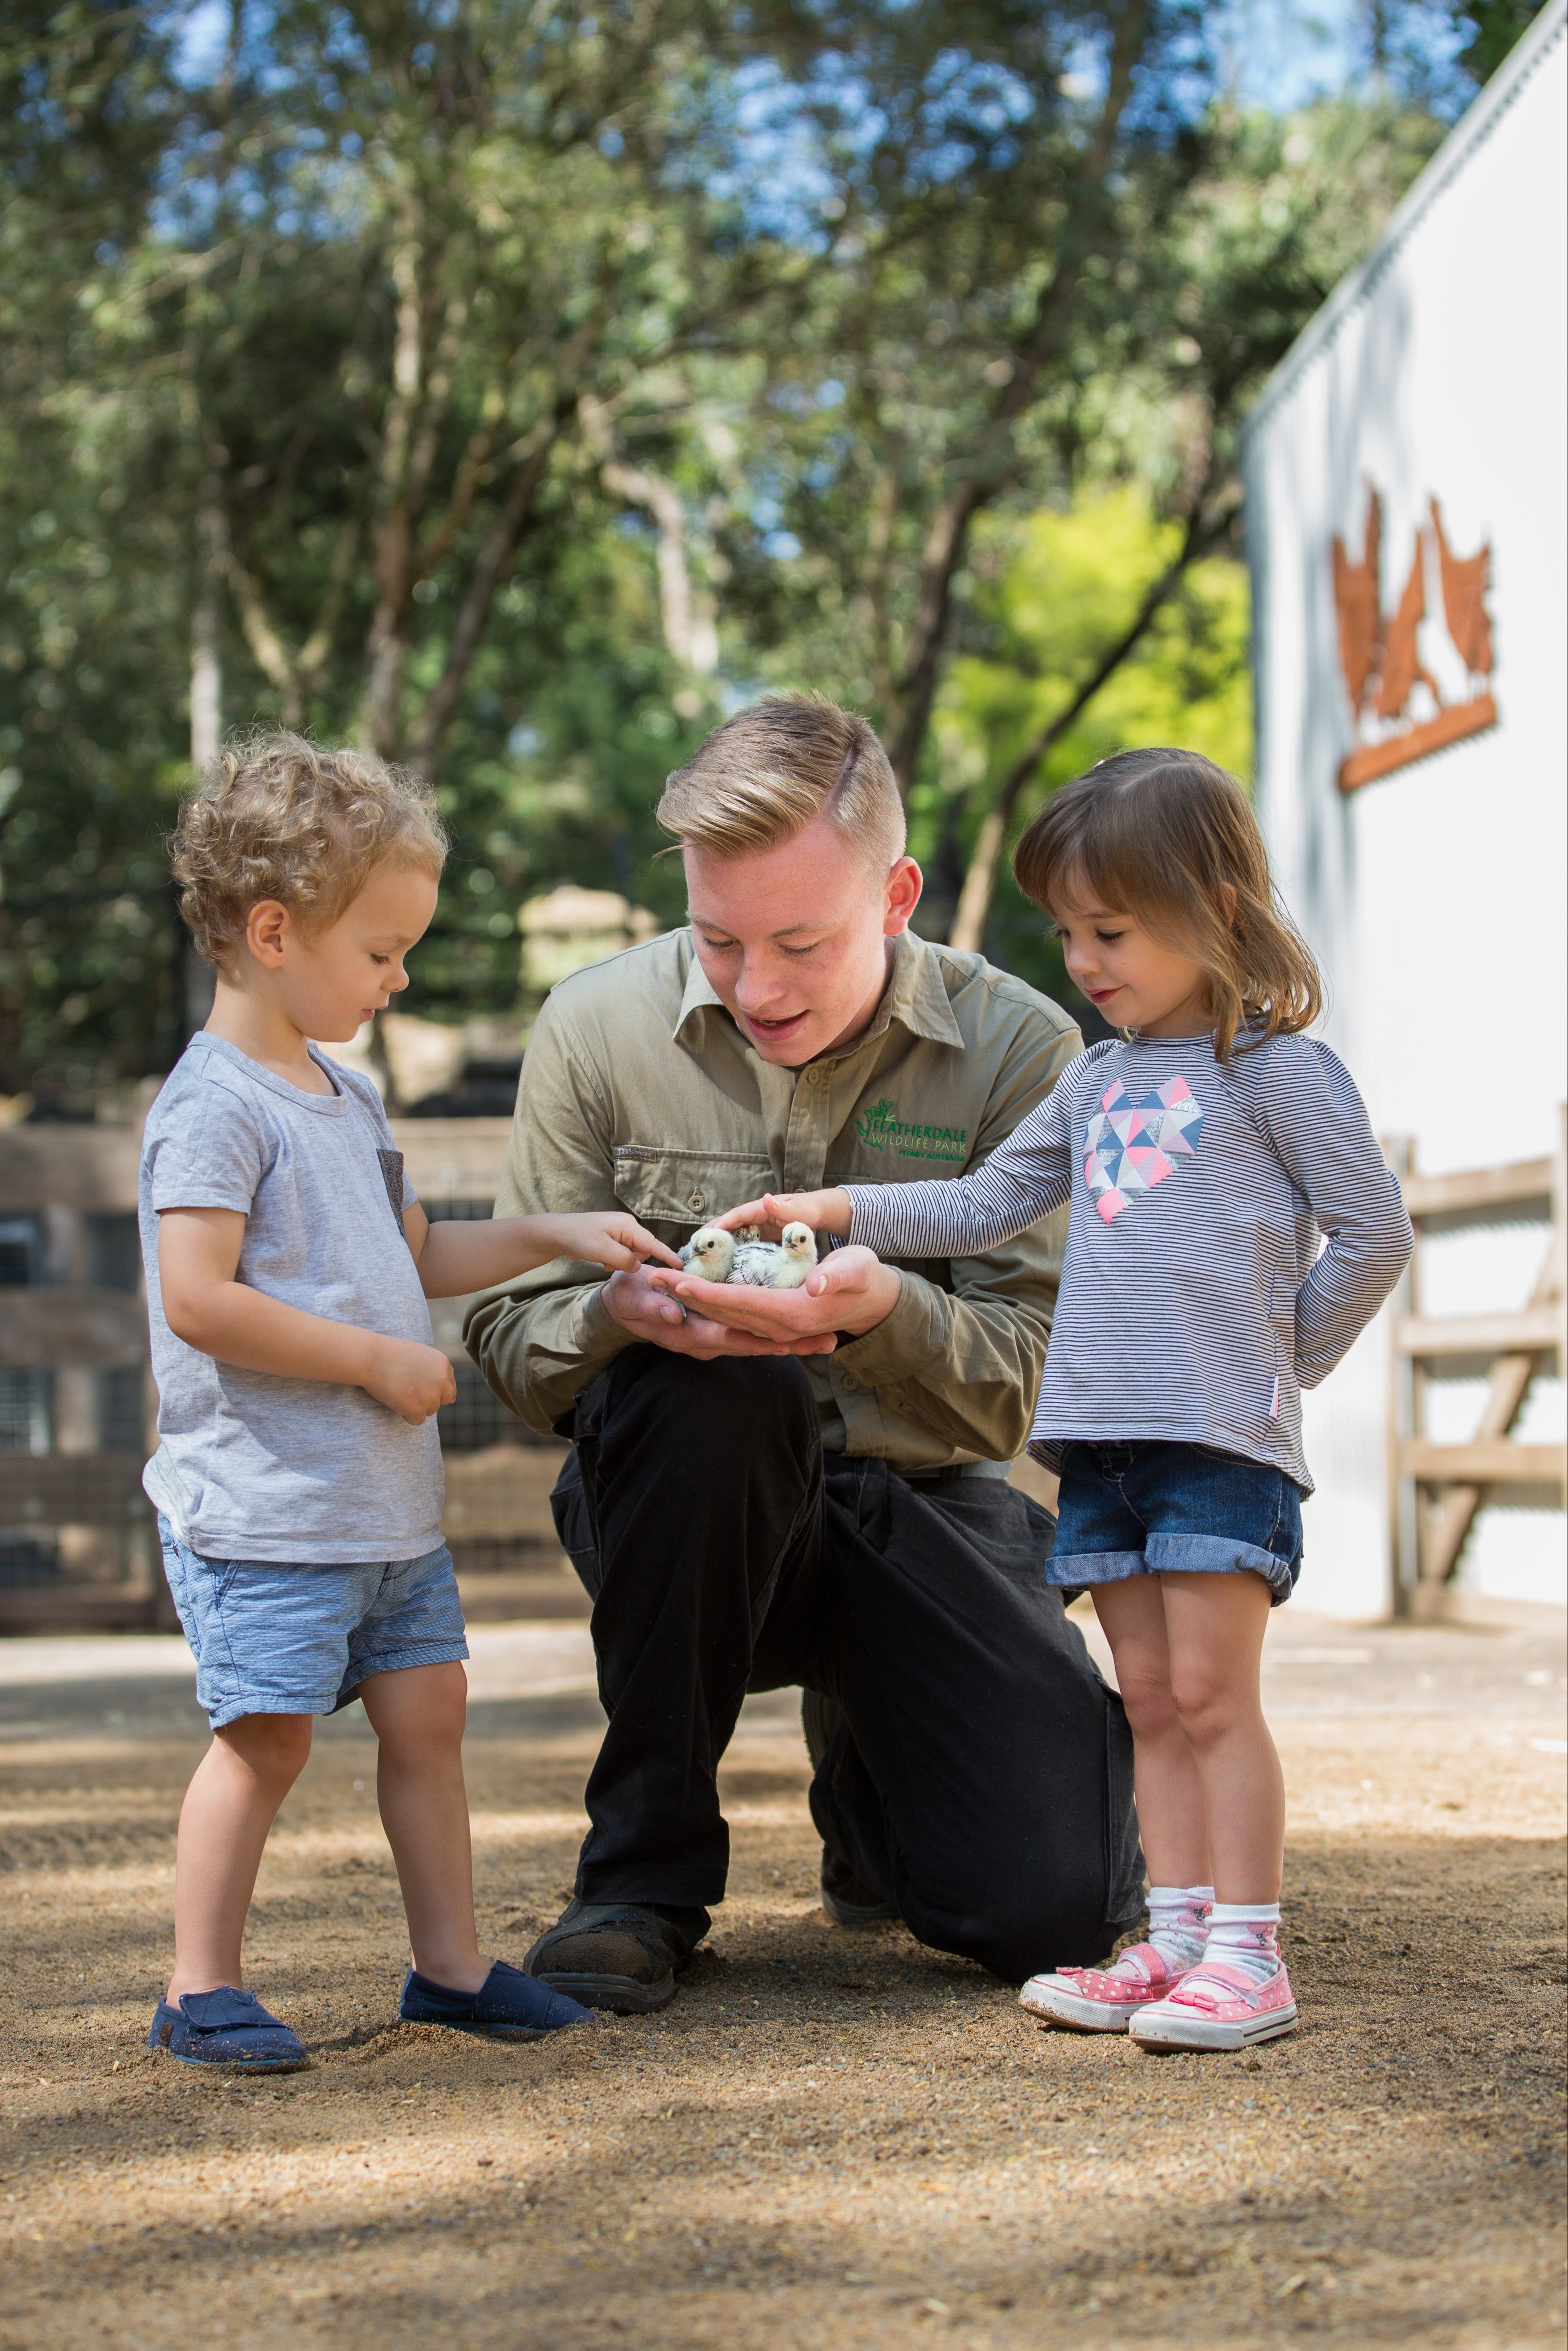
275 815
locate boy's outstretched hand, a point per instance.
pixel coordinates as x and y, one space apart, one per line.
825 1212
458 1257
610 1237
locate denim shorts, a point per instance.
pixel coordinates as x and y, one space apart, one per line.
1138 1508
274 1638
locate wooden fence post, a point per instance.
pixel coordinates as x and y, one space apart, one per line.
1436 1489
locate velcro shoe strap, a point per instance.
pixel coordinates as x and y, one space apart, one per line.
215 2011
1146 1958
1214 1983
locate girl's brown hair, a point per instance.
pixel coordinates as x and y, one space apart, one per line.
1169 837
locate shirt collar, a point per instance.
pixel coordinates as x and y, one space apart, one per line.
914 996
698 993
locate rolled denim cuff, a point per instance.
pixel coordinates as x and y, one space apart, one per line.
1221 1555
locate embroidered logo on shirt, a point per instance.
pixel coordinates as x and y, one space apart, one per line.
880 1127
1134 1146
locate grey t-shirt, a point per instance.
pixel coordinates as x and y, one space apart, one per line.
252 1466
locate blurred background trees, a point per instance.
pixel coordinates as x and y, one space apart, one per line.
518 388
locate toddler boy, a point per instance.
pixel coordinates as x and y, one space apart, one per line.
298 1477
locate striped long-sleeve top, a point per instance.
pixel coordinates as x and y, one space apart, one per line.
1194 1302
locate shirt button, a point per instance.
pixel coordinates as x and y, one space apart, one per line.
813 1077
850 1385
695 1201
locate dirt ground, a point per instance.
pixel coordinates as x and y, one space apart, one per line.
832 2139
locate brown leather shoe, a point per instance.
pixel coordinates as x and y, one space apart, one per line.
623 1956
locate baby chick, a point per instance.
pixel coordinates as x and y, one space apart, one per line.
709 1253
777 1265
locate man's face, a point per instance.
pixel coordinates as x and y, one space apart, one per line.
795 940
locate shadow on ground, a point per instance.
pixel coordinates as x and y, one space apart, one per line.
832 2139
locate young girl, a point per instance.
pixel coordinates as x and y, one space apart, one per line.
1203 1151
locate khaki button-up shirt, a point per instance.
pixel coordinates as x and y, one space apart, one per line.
639 1090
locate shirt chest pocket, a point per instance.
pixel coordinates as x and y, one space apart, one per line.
686 1188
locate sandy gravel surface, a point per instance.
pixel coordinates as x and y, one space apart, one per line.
832 2138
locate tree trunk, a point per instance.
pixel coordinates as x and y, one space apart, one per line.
193 981
206 673
424 737
387 642
948 540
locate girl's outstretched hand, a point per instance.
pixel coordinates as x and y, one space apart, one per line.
825 1212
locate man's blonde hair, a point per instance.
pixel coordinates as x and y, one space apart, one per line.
275 815
771 771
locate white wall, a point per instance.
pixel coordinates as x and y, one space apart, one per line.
1435 895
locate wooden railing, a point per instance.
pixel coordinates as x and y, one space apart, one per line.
85 1502
1435 1489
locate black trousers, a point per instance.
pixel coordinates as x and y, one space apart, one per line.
980 1770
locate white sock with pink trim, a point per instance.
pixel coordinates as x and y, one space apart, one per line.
1245 1934
1177 1920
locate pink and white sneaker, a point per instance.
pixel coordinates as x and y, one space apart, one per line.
1217 2006
1101 1999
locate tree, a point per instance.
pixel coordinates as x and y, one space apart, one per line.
433 241
1263 233
986 258
1091 285
309 338
1062 588
513 388
91 589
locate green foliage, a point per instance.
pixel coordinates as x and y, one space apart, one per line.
1495 27
863 437
557 765
1072 581
1064 585
89 959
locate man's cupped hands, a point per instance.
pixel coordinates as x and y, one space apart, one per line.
847 1295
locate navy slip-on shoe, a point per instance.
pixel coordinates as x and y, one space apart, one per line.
508 2005
225 2028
